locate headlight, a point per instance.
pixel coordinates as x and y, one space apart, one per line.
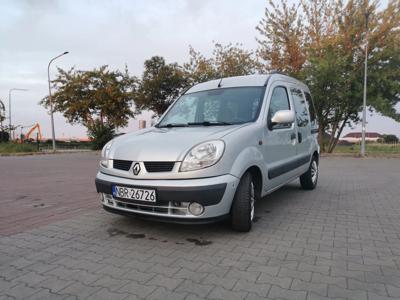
105 162
203 155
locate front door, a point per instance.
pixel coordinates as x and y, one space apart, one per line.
279 143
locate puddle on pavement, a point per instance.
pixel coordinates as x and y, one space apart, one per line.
199 242
136 235
115 232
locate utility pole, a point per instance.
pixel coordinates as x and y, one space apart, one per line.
53 133
364 116
9 110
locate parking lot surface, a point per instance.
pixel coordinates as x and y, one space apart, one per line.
340 241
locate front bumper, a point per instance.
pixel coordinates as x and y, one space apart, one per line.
173 197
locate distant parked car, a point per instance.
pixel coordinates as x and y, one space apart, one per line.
217 150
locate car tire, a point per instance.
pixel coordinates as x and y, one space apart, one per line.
309 179
242 212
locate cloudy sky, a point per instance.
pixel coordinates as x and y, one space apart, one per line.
115 33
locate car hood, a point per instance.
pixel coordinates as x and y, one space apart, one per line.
165 144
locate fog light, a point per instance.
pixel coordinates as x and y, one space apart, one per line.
196 209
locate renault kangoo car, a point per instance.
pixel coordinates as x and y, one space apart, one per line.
219 148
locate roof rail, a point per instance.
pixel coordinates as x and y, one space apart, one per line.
272 73
266 81
185 90
278 72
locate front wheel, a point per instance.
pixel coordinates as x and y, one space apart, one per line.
309 179
242 212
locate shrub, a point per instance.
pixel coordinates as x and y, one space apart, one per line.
100 133
390 139
17 148
4 136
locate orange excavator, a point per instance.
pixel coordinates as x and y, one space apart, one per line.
28 137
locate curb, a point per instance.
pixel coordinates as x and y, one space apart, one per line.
47 153
357 155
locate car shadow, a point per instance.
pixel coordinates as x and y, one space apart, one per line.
202 234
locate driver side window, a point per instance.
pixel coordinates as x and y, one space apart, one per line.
279 101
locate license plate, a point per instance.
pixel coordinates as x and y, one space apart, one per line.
134 193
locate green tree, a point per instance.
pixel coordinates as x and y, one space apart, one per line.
160 85
97 98
282 39
100 134
322 43
225 61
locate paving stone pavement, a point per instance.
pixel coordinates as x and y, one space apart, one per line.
340 241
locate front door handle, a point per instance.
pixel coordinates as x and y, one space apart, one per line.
293 136
300 137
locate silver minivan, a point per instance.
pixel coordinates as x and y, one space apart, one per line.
219 148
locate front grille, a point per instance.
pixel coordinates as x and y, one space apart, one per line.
166 209
145 208
124 165
169 208
159 166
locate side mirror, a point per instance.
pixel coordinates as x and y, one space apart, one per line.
282 117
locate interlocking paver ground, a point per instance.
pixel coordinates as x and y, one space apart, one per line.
341 240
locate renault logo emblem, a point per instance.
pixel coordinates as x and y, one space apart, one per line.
136 168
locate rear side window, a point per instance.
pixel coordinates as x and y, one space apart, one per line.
311 109
300 107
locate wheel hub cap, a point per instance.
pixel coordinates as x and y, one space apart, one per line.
314 171
252 201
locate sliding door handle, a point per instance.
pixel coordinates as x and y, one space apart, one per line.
300 137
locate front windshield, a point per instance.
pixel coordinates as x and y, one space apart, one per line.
223 106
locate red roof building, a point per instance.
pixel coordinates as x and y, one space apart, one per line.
355 137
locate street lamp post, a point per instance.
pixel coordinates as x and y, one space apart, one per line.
2 114
9 109
53 133
364 117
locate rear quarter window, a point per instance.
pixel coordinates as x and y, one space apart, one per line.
300 107
311 109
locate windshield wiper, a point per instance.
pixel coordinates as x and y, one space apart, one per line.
204 123
209 123
169 125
